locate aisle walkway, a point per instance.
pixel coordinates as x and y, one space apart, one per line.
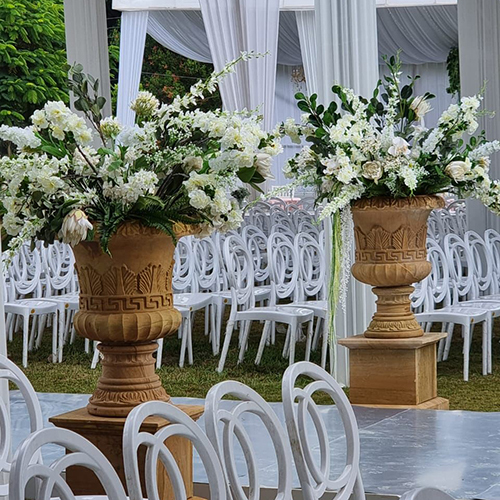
457 451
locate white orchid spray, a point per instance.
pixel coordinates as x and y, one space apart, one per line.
379 146
177 164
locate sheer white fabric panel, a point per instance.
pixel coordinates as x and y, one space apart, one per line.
260 23
306 26
424 34
289 43
224 33
287 85
479 22
132 40
182 32
346 37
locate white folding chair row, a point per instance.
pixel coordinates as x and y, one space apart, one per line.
438 307
450 220
284 284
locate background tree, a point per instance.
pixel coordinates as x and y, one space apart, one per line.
32 57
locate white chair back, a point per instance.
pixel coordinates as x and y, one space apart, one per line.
225 427
298 404
438 282
461 266
206 265
312 265
181 425
183 275
284 266
256 242
51 482
482 260
239 268
9 371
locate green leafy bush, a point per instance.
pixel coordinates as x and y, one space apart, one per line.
32 57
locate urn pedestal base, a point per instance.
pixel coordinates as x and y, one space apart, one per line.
394 318
107 433
128 379
394 373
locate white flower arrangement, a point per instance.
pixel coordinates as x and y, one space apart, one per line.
379 146
177 164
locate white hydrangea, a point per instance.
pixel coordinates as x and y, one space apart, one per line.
22 137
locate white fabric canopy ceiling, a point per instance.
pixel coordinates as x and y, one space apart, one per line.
293 5
424 34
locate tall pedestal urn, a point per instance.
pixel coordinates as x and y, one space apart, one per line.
393 364
126 303
391 255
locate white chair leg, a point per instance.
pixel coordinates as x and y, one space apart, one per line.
159 352
466 335
490 348
62 327
87 345
225 347
190 341
56 350
286 346
317 334
184 344
95 357
263 341
451 327
294 335
309 340
244 340
486 337
26 329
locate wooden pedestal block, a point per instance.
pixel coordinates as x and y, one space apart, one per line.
106 433
395 373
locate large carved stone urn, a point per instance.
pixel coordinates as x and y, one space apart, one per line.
391 255
126 303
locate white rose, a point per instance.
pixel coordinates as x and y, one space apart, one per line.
372 170
193 163
75 227
457 170
399 147
263 164
420 107
199 199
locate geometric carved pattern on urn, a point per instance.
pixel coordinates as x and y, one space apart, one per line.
391 255
126 303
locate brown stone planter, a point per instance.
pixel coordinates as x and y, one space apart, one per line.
391 255
126 303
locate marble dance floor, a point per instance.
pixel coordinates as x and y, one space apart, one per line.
457 451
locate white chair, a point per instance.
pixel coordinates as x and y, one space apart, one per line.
239 267
426 494
226 426
298 405
50 480
438 294
58 263
181 425
312 284
29 308
9 371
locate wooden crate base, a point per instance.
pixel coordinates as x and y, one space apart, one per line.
394 373
106 433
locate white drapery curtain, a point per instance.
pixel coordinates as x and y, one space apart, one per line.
306 25
233 27
132 41
346 32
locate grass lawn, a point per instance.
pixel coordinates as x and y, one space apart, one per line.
75 376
